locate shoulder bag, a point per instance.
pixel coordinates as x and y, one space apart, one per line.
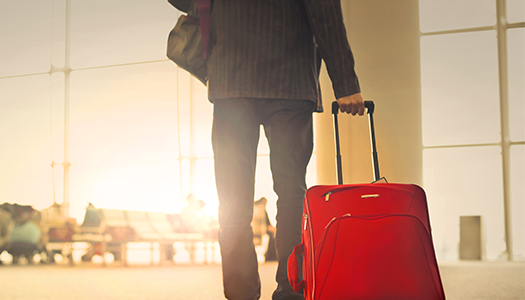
188 42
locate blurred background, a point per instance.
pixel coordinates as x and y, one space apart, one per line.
92 111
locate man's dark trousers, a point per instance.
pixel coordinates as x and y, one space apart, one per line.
235 135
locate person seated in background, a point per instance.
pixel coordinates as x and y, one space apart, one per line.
192 216
6 226
192 219
20 234
24 241
261 226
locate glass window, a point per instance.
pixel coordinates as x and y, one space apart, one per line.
263 148
311 172
204 186
185 176
58 183
25 152
25 36
133 185
123 137
460 96
119 31
515 11
516 58
184 102
264 185
57 115
456 14
461 182
124 113
58 38
517 194
203 112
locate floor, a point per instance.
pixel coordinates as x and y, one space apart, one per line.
461 280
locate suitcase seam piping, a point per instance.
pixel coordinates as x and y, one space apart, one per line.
425 252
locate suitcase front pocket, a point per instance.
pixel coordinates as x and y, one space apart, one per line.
376 257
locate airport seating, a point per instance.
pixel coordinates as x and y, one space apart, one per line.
111 230
171 233
143 230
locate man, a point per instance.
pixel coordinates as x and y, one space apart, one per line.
263 70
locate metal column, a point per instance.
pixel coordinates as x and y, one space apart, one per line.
501 28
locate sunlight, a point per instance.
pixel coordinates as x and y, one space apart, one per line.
141 186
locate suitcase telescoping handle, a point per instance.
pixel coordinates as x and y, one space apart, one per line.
370 111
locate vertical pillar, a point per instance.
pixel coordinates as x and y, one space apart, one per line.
501 27
67 75
384 36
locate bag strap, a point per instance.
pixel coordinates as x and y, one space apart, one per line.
204 7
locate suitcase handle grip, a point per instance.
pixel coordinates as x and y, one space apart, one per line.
368 104
375 161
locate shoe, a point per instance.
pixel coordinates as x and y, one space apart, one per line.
286 294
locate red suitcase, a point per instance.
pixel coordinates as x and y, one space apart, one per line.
366 241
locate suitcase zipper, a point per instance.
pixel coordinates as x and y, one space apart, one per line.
339 190
336 218
305 220
370 196
327 196
320 245
310 256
